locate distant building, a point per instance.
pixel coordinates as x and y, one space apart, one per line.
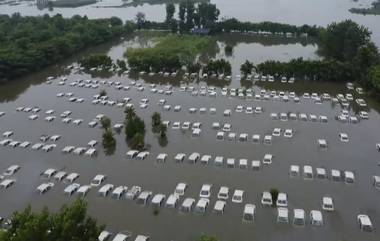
200 31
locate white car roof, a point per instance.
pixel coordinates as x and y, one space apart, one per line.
238 192
316 215
283 212
249 208
188 202
202 203
327 200
121 237
141 238
84 189
103 235
158 198
365 220
172 199
106 188
49 171
299 213
219 205
181 186
70 188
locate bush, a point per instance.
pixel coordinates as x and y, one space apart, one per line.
95 61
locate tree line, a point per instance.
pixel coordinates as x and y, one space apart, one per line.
205 16
349 55
28 44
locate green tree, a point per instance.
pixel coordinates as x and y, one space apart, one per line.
341 41
71 223
156 121
246 68
108 141
137 142
228 50
129 113
162 130
114 21
96 60
140 19
105 122
374 76
182 16
170 10
121 64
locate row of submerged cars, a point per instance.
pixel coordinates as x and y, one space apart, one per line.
144 197
195 157
47 147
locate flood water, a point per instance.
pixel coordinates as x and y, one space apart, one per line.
296 12
358 155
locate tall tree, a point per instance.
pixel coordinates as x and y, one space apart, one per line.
190 13
140 19
170 10
182 16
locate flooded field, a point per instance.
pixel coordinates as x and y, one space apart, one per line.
297 12
359 155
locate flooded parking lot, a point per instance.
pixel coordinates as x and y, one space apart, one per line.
359 155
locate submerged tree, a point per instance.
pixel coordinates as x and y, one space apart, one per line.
137 142
105 122
274 192
156 122
103 92
109 142
246 68
228 50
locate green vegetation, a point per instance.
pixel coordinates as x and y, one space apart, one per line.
105 122
233 24
374 76
219 66
246 68
134 129
170 53
109 142
228 50
159 128
28 44
96 61
349 56
374 10
274 192
71 223
156 122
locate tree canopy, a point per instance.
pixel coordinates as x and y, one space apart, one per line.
71 223
341 41
31 43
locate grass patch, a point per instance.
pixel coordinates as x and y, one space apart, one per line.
170 52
